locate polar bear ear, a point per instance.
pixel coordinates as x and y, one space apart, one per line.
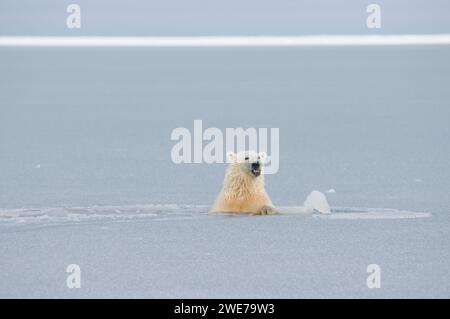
231 157
262 155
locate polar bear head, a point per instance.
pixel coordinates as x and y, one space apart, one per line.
247 162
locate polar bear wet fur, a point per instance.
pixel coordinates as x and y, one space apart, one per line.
243 187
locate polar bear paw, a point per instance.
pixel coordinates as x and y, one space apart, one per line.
267 210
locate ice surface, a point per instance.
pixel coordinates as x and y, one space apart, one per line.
372 213
102 138
161 212
181 251
64 215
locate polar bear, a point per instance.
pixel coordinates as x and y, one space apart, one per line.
243 187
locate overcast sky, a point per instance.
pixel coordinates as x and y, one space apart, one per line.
225 17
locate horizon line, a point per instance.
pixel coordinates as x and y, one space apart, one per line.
224 41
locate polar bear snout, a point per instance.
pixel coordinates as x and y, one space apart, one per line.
256 168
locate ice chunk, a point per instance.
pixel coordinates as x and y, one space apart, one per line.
316 201
331 191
